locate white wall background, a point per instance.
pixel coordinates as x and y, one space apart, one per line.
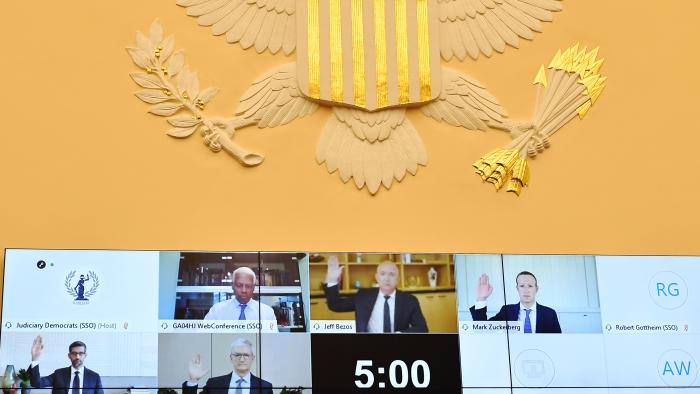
625 288
129 355
566 283
468 269
126 279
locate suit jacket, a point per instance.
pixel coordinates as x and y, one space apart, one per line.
220 385
407 314
61 381
547 321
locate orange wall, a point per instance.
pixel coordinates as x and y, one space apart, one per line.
83 166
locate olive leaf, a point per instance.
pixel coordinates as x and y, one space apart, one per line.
139 57
165 109
156 32
182 132
153 96
208 94
193 85
143 43
147 81
181 80
177 61
168 45
184 121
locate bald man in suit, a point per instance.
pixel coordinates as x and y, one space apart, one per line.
381 309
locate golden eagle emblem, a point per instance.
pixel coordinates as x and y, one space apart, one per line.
371 60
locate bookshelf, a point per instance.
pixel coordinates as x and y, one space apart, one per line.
359 270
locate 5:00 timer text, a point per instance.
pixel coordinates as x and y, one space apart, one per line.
399 374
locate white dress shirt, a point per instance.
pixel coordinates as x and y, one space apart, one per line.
521 314
231 310
81 374
245 384
533 316
376 319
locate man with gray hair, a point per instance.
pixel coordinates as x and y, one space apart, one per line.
240 381
242 306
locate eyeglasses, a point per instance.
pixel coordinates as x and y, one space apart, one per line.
243 286
241 356
77 354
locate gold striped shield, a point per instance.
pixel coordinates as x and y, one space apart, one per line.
370 54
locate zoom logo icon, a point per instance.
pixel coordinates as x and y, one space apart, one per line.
677 368
668 290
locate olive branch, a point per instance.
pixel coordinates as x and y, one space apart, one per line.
155 55
95 284
69 288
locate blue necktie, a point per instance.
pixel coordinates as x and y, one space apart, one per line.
528 323
239 390
242 315
76 384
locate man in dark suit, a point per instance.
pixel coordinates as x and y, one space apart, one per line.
75 379
382 309
535 318
242 357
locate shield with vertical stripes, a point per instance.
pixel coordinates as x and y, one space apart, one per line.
369 54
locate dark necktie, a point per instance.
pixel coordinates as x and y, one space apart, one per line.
76 384
242 315
387 314
239 390
528 323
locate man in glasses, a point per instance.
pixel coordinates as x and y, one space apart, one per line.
75 379
242 306
240 381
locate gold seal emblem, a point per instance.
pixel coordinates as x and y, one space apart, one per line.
371 61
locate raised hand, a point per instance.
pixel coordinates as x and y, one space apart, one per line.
334 270
483 288
37 347
196 371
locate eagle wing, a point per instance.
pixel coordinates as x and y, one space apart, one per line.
465 102
482 26
274 99
265 24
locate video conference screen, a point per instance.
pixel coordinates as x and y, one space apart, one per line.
98 321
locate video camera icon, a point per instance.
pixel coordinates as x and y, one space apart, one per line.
534 368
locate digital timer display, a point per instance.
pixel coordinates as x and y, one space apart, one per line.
386 363
399 374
